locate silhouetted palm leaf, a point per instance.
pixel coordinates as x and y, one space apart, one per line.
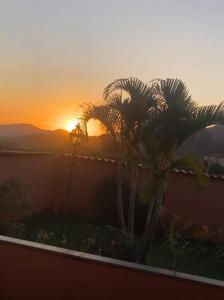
173 95
133 86
195 165
104 114
210 114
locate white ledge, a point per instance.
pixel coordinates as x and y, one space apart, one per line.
111 261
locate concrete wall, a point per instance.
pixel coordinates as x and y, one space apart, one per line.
45 178
35 271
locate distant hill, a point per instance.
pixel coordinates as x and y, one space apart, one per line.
52 142
26 137
13 130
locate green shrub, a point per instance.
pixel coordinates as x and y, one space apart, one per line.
13 229
44 236
12 196
106 241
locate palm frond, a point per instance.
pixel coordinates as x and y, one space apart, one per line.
202 117
172 94
211 114
104 114
133 86
195 165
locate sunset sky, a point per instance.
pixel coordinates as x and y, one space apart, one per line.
56 54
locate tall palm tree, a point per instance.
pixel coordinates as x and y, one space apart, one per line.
124 118
110 119
176 117
134 111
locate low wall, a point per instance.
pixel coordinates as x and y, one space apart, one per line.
45 178
34 271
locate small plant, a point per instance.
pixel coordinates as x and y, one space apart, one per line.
192 251
107 241
64 239
90 245
176 240
44 236
12 196
16 230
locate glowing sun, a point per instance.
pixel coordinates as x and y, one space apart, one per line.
72 124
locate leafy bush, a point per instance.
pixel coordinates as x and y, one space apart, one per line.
95 239
180 250
106 241
14 229
44 236
175 249
12 196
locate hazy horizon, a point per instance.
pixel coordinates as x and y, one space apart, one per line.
58 54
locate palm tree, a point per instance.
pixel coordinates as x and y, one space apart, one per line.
109 118
134 111
155 120
176 117
124 118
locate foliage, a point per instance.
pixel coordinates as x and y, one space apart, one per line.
191 250
175 249
12 196
101 240
95 239
176 117
192 164
43 236
13 229
175 239
151 120
123 116
202 258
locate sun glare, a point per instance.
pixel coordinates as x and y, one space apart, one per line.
71 124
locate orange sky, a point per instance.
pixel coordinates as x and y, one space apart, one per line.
45 102
57 54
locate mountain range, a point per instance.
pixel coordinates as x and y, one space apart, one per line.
15 130
28 137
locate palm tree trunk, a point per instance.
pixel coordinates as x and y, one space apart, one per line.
147 231
150 234
131 210
151 211
152 220
120 205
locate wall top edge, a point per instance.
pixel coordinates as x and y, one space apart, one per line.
110 261
17 153
107 160
177 171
